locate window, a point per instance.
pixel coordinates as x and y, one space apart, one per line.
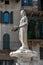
6 42
26 2
11 62
41 52
40 5
17 0
6 1
6 62
37 30
2 0
6 17
33 29
41 28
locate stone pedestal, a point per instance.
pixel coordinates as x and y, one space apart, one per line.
24 61
24 56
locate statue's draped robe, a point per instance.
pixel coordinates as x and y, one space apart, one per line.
23 31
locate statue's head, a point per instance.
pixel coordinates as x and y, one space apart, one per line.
22 12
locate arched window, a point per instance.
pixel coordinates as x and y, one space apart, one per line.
26 2
6 17
6 42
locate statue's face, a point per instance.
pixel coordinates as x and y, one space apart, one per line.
22 12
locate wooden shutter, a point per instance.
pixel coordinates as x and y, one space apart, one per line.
11 17
1 16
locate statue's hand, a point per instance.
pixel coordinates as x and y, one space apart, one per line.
15 29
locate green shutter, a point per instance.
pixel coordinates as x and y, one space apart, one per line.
1 16
29 36
31 31
37 35
37 30
11 17
41 24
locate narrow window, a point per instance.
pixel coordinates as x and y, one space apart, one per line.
6 1
41 28
6 17
40 5
11 17
41 52
31 29
26 2
6 42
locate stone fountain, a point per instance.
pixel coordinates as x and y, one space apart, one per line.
23 54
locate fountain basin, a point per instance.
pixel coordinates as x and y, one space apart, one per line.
23 53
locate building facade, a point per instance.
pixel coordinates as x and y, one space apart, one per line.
9 41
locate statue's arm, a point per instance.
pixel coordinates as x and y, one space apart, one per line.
25 23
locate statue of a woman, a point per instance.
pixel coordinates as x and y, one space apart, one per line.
23 29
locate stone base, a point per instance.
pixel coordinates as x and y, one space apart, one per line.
25 62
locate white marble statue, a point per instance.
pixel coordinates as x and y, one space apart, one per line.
23 30
23 53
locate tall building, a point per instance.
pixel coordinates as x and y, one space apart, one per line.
9 41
